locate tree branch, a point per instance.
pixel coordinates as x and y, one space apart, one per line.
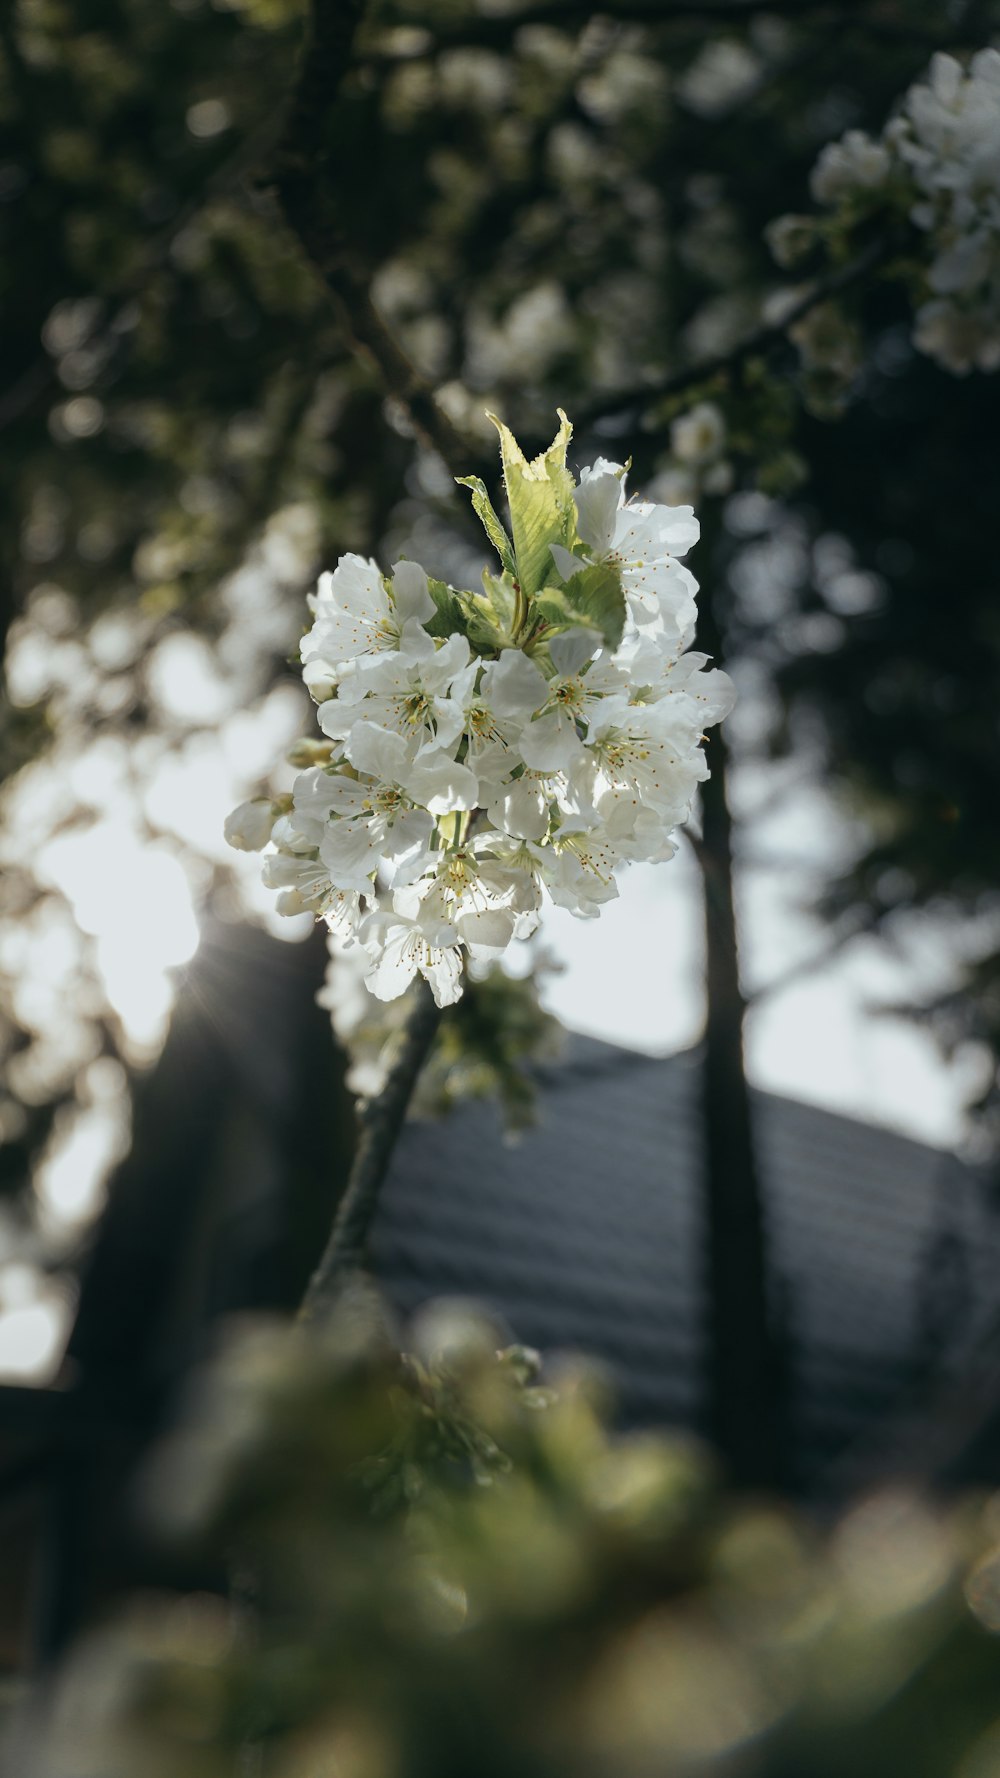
495 31
381 1124
754 345
743 1348
305 186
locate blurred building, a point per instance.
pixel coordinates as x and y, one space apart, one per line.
885 1259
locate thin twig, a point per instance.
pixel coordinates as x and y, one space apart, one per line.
306 190
381 1124
754 345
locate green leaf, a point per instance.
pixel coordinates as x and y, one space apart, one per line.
486 618
557 614
540 494
501 600
596 600
552 615
485 512
491 614
450 614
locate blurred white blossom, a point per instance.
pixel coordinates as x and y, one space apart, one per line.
938 160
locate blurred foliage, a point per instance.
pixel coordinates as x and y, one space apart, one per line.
444 1565
488 1046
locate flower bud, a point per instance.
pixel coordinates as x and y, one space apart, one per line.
310 753
319 681
248 828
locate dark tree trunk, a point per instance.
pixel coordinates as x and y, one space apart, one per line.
744 1377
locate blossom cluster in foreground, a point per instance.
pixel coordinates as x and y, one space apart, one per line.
484 749
938 160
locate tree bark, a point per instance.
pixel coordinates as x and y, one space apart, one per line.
742 1349
381 1125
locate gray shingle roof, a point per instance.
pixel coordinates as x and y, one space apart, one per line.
587 1234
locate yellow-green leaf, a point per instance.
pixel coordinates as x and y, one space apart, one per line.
450 615
486 618
540 494
595 596
486 513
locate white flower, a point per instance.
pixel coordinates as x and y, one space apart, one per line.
248 828
509 869
400 946
517 798
724 69
471 901
645 761
377 828
948 140
296 870
700 695
551 740
303 880
521 802
472 894
418 936
384 818
417 693
641 540
511 689
579 866
356 616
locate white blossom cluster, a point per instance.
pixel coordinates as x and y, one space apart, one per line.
483 750
940 158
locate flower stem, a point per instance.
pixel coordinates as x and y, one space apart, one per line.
381 1123
520 613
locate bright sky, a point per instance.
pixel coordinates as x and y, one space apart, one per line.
634 977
